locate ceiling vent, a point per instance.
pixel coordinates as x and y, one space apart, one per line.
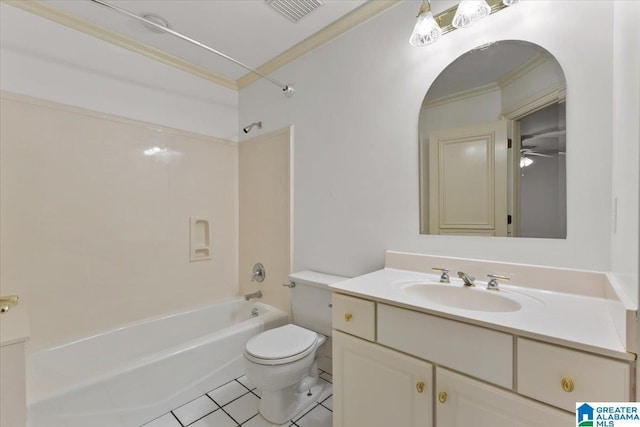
294 10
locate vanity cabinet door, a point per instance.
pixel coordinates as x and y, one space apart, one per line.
463 402
378 387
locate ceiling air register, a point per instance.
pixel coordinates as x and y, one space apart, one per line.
294 10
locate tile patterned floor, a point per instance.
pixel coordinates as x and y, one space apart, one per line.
236 404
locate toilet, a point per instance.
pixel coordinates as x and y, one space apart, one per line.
283 362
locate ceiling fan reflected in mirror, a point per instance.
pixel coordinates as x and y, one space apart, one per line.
527 152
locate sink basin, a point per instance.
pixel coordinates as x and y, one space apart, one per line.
477 299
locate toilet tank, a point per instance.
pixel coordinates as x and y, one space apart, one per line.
310 299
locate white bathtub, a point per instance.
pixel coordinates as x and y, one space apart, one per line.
131 375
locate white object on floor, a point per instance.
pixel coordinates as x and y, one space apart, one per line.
282 362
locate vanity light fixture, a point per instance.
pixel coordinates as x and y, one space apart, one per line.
426 30
469 12
429 28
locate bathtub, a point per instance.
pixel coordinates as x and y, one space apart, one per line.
128 376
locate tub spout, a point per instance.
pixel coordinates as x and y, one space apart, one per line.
248 297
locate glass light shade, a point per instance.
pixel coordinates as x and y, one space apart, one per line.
525 161
426 30
469 12
509 2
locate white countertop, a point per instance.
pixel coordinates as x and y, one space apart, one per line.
576 321
14 325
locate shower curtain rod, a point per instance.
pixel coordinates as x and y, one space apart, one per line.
286 88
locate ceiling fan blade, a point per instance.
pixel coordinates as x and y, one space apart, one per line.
533 153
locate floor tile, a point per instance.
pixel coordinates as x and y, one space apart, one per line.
326 376
257 392
259 421
317 417
167 420
195 409
227 393
326 392
217 419
246 382
328 403
243 408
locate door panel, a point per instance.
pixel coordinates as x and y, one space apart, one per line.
468 180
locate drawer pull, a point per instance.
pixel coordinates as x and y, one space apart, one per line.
567 384
442 396
420 386
348 316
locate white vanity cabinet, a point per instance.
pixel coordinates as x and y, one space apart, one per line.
463 401
378 387
387 355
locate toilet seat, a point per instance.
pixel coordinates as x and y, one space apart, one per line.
281 345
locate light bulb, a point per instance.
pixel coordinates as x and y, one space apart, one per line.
525 161
469 12
426 30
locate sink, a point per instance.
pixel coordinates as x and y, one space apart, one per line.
477 299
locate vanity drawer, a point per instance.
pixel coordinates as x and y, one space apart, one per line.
476 351
562 377
354 316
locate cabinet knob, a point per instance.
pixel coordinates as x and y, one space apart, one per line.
420 386
348 316
442 396
567 384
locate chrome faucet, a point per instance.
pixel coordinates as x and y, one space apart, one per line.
258 294
468 280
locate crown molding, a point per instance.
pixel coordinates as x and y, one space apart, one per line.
459 96
66 19
510 78
528 66
328 33
342 25
557 93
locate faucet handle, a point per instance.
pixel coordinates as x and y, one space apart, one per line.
492 285
444 276
259 273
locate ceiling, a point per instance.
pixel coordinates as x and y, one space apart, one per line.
482 66
247 30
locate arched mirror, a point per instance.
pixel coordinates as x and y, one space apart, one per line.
493 145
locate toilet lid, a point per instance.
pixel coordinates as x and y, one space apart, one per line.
282 342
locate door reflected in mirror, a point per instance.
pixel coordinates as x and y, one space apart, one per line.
493 145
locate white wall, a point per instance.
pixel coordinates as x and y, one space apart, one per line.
626 153
94 233
356 114
466 112
44 59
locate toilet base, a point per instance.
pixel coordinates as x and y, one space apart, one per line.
283 405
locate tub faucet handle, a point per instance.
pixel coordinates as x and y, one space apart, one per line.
259 273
